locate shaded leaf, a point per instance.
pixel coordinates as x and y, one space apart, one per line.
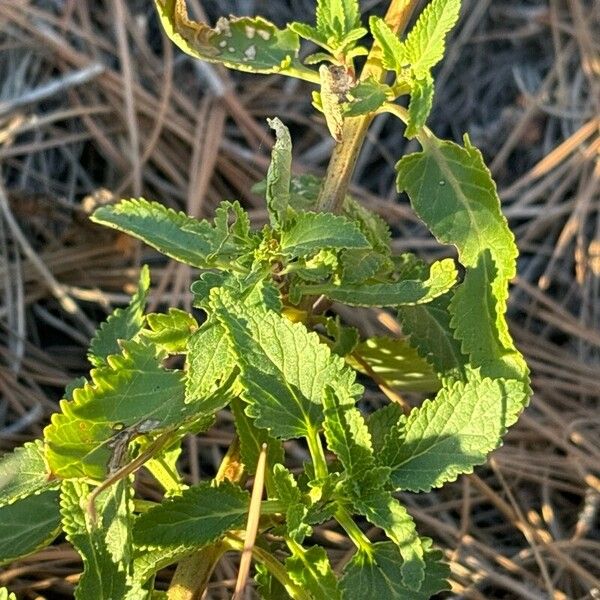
28 524
311 232
442 277
366 97
419 107
201 515
379 575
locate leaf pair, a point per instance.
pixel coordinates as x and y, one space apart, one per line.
413 58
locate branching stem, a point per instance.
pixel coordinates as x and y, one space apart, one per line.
345 154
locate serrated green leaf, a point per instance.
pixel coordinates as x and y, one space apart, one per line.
365 485
170 331
201 515
366 97
287 491
374 228
394 53
395 362
210 366
348 437
310 33
451 434
132 392
425 44
122 324
451 189
336 18
419 107
28 524
279 174
429 331
311 232
310 568
379 576
173 233
382 421
23 473
250 44
384 511
284 368
442 277
105 546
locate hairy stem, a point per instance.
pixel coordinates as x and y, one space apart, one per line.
345 154
360 540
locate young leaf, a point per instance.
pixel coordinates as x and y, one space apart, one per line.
250 44
6 595
336 18
310 568
122 324
425 44
395 362
394 54
379 575
284 368
201 515
210 367
28 524
421 101
170 332
442 277
105 547
173 233
131 393
451 434
429 331
23 473
366 97
365 484
374 228
287 492
310 232
279 174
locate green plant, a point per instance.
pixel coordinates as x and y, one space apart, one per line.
268 350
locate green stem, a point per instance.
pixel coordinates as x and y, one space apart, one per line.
360 540
276 568
315 447
345 154
193 572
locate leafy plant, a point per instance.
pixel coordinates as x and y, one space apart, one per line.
264 346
